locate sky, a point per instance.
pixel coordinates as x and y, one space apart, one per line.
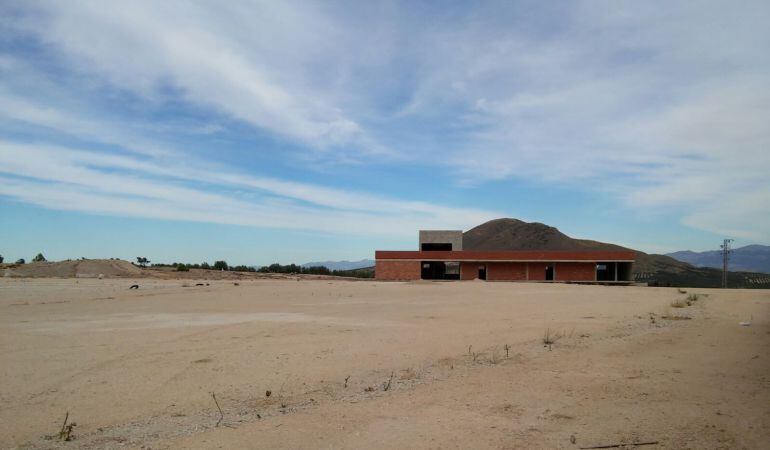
291 131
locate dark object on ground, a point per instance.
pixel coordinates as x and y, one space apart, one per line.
631 444
236 284
268 393
134 286
199 284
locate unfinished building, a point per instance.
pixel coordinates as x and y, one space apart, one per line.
441 257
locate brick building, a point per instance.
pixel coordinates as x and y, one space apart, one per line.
441 257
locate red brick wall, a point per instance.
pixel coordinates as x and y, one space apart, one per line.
506 271
397 270
411 270
575 271
537 271
469 270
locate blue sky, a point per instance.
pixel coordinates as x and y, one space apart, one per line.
294 131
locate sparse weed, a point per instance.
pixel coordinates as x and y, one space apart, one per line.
670 315
676 317
693 298
409 374
550 338
494 358
680 303
387 384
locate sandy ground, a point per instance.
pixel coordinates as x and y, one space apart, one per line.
137 368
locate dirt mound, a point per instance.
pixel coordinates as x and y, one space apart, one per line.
83 268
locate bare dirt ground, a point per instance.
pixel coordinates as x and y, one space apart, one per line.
426 365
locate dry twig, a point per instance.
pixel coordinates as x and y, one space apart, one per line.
632 444
221 414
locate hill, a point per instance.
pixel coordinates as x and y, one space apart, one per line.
751 258
514 234
78 268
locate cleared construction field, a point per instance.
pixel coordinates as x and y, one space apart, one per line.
380 365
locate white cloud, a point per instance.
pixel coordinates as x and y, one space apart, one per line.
653 104
247 61
68 179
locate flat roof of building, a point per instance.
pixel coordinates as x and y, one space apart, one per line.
507 255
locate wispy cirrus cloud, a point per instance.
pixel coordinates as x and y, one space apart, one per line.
654 106
70 179
248 61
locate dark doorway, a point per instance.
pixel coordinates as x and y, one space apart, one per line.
482 272
605 271
440 270
549 272
435 247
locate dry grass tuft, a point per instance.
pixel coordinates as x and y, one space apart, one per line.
673 317
680 303
409 374
550 338
494 358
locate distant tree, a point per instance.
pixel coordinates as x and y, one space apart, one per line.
317 270
1 259
221 265
21 261
205 265
142 261
39 258
182 268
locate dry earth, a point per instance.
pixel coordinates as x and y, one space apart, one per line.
137 368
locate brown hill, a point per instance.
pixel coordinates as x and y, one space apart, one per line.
514 234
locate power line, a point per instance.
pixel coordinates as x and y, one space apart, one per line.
726 250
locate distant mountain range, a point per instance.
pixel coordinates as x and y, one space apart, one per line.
342 265
751 258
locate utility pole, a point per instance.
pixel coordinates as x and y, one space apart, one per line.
726 250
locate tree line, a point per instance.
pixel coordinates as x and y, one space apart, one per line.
272 268
142 261
38 258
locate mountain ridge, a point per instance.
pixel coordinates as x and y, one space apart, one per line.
341 265
751 258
